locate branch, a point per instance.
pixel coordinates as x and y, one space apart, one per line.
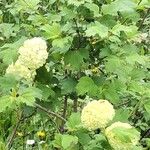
139 2
75 104
11 139
135 109
49 113
78 33
141 23
64 114
146 134
29 116
122 104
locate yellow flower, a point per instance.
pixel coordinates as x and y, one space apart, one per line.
19 133
120 138
97 114
41 134
95 70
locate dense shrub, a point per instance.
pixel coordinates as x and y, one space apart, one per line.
74 74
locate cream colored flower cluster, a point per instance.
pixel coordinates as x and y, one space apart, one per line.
114 139
97 114
33 55
21 71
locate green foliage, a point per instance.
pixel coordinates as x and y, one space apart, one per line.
73 122
122 6
68 86
2 146
65 142
125 135
52 31
9 51
96 50
91 87
27 96
97 29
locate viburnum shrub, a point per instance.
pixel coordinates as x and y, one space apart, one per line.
74 74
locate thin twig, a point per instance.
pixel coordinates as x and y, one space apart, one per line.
49 113
141 23
135 109
146 134
11 139
78 33
64 114
122 104
139 2
75 104
65 107
29 116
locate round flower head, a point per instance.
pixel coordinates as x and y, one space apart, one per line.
33 53
122 136
20 71
97 114
35 43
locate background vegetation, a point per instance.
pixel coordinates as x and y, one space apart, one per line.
98 49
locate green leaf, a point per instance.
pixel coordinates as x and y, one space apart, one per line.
69 141
61 45
52 31
108 21
113 63
130 31
84 53
57 141
143 4
119 5
37 19
9 51
125 135
28 6
73 59
7 30
67 13
86 85
6 102
121 115
77 2
83 138
29 95
136 87
7 82
46 91
2 146
68 86
93 7
53 17
25 95
134 57
73 121
97 29
111 94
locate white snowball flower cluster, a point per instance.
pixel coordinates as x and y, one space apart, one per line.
21 71
126 140
97 114
33 55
